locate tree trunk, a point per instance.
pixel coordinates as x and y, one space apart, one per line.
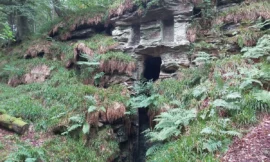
14 124
57 8
23 27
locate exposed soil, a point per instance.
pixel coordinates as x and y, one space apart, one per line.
253 147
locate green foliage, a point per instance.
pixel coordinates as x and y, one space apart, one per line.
144 97
59 150
23 106
226 105
153 149
211 145
27 153
13 71
97 77
203 57
187 148
143 101
170 123
261 49
199 91
99 41
263 96
89 62
77 121
216 136
1 146
6 34
250 76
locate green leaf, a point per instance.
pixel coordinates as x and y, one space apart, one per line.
234 95
88 63
153 149
248 82
263 96
91 109
208 130
30 160
103 108
199 91
86 128
212 145
225 104
77 119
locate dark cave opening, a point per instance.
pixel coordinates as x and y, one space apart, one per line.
152 68
197 12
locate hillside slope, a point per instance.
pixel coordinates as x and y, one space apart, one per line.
79 90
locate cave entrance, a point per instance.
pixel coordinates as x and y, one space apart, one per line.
152 68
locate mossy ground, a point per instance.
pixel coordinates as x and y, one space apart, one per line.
50 104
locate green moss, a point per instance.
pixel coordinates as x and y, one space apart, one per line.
67 149
99 40
119 56
187 148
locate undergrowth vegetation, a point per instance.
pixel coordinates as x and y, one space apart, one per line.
194 116
231 97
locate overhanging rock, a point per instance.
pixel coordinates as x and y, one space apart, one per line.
160 32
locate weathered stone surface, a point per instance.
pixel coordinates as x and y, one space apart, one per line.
226 2
163 27
84 33
110 80
160 32
15 81
37 75
82 48
170 67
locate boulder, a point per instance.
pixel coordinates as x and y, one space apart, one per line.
37 75
170 67
83 33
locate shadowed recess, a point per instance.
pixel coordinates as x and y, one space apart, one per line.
152 68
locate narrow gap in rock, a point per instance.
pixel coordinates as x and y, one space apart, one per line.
197 12
152 68
41 54
168 30
109 29
142 141
135 35
266 25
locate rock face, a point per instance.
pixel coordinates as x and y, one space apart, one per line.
37 75
160 32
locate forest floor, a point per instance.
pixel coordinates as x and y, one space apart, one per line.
9 140
253 147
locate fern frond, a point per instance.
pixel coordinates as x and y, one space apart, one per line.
230 133
233 96
263 96
153 149
170 123
208 130
225 104
212 145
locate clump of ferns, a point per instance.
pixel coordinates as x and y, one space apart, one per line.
217 135
248 38
258 100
